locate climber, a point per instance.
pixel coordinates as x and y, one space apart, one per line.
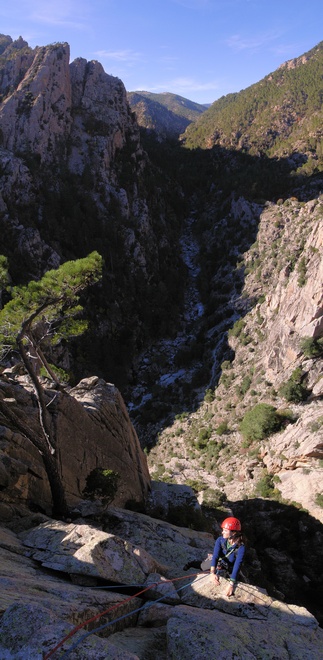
228 553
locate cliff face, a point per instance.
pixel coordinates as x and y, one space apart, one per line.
45 101
278 322
40 103
74 178
267 342
92 428
285 268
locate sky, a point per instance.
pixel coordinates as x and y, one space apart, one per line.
199 49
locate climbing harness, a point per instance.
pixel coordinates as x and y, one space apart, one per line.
222 567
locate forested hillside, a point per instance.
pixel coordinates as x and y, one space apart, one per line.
277 117
166 114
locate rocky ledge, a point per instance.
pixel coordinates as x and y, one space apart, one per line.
124 594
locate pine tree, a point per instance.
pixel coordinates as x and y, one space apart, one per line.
38 315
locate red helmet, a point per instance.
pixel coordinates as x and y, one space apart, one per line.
232 524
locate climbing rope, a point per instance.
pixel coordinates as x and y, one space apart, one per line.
113 607
109 623
110 609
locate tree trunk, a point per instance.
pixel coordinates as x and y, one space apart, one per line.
60 508
39 391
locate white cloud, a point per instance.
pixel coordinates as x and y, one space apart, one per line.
129 57
67 13
239 43
182 85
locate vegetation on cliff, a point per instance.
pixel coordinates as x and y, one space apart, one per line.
278 115
41 314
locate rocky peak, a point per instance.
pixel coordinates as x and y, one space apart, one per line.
46 100
101 117
7 45
74 177
35 114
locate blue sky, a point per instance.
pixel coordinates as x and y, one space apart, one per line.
200 49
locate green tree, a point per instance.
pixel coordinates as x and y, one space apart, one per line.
293 389
103 484
260 421
3 270
311 347
38 315
4 279
265 487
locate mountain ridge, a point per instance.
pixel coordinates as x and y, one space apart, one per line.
166 114
261 119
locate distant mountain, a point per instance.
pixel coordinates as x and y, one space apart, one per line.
280 115
167 114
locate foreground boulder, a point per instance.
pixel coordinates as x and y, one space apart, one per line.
93 429
39 609
136 546
169 615
286 633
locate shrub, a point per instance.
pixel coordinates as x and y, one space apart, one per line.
316 425
237 328
265 487
203 437
196 484
62 375
101 484
209 396
213 497
246 382
311 347
293 389
213 449
226 379
181 416
301 269
319 499
226 365
158 471
222 428
259 422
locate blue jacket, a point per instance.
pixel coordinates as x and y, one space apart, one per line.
234 560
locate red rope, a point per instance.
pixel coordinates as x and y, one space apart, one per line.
113 607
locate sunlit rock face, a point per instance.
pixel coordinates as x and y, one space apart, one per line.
93 429
188 617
